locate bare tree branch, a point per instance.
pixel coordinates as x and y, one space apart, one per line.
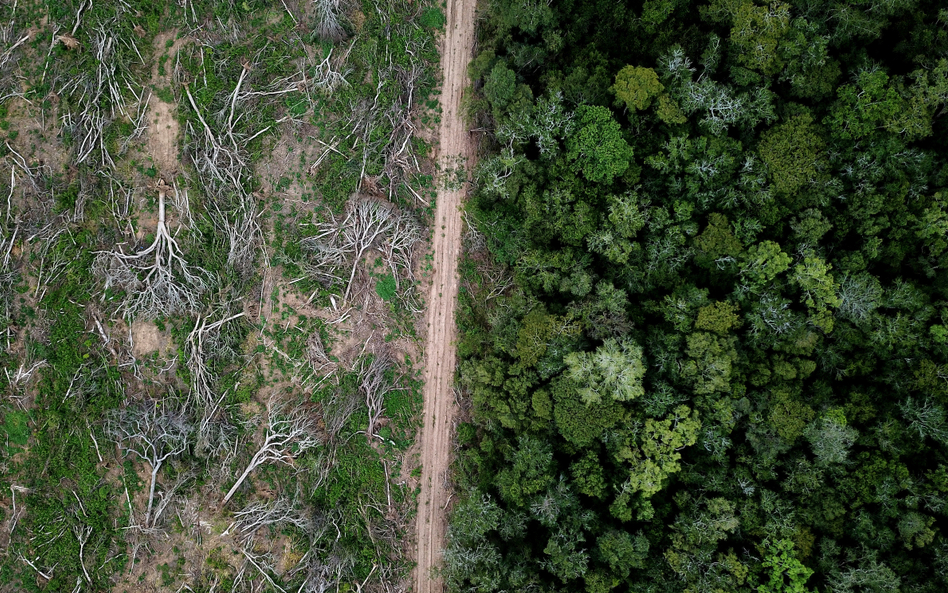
151 434
157 280
289 433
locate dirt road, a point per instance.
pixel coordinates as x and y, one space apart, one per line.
439 344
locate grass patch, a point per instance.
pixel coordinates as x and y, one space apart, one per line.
386 287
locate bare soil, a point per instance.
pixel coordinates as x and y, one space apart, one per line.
147 338
163 128
440 355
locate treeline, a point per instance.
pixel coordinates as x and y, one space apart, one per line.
704 337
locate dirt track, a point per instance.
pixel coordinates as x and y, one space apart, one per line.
439 344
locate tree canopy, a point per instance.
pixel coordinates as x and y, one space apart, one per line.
722 325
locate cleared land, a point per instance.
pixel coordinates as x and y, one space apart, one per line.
439 406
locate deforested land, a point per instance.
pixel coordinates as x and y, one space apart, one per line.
215 251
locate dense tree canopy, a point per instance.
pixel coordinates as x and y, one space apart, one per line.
713 352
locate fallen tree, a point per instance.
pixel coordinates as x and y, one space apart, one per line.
152 434
289 433
157 280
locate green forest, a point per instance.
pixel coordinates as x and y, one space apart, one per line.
704 309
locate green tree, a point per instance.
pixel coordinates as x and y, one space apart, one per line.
636 87
588 475
793 151
581 423
613 370
500 86
719 317
597 145
711 360
831 439
622 551
566 560
716 242
820 290
757 34
786 573
529 470
764 262
655 454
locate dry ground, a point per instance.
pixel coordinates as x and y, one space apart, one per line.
439 406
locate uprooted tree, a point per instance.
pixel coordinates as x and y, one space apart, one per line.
154 435
289 433
157 280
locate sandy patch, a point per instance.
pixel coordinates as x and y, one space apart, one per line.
163 136
147 338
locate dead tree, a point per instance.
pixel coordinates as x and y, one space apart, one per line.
399 250
328 73
151 434
329 253
279 512
327 20
82 533
370 113
289 433
367 223
263 563
10 42
221 159
157 280
7 279
168 496
400 159
99 92
204 343
337 410
373 385
327 563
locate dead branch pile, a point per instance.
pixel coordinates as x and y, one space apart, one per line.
218 149
389 108
103 90
367 223
11 45
157 280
